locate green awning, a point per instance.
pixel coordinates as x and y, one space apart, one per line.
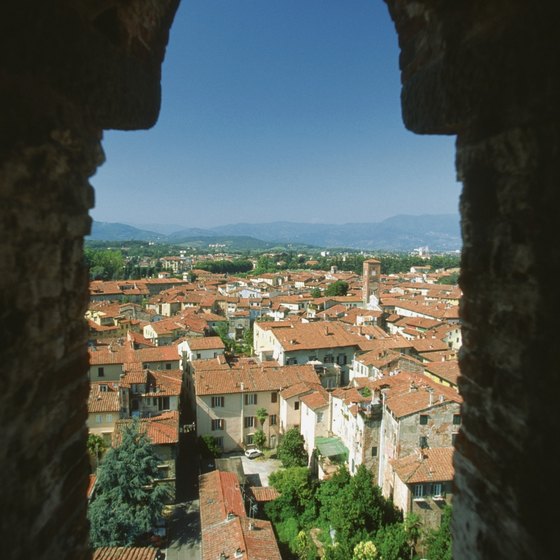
330 447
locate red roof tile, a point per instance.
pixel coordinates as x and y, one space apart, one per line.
124 553
427 465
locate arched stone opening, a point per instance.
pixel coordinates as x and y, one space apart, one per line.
486 71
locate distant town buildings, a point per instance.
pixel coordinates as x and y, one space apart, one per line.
369 378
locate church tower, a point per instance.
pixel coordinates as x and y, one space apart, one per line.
371 275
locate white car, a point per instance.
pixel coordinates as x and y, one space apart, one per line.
252 453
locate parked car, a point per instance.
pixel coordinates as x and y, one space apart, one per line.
252 453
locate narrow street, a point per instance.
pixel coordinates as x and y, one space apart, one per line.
184 527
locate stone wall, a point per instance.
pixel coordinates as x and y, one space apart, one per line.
488 72
69 68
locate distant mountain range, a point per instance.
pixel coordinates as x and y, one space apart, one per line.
439 232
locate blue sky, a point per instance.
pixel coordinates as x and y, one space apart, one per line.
277 110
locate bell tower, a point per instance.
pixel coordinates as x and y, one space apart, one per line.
371 275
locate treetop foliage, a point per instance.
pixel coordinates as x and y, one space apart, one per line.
128 502
338 288
349 509
291 449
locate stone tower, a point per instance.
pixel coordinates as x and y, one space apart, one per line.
371 274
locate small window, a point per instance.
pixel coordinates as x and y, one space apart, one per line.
453 439
437 489
272 420
249 439
418 490
274 397
296 405
167 366
319 416
329 359
457 419
374 451
218 402
100 372
251 398
103 388
423 442
198 355
219 441
217 424
249 422
98 418
423 419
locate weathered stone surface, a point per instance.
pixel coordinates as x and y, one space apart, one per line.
488 72
69 68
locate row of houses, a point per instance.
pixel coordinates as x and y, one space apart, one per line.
366 380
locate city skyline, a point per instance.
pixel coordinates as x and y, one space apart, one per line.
275 112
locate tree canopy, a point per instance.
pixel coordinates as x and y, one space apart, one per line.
104 264
439 540
291 449
128 502
347 512
338 288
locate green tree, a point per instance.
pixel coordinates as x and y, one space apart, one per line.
304 546
261 414
291 449
296 500
128 502
451 279
96 447
338 288
439 540
208 446
316 293
104 264
392 542
259 439
222 331
365 550
413 528
330 492
358 510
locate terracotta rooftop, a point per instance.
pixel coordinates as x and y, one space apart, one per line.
310 336
103 397
298 389
119 353
427 465
162 429
410 393
125 553
251 378
164 383
219 495
448 370
431 344
317 399
264 493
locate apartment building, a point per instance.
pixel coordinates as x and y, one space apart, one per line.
227 398
291 343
